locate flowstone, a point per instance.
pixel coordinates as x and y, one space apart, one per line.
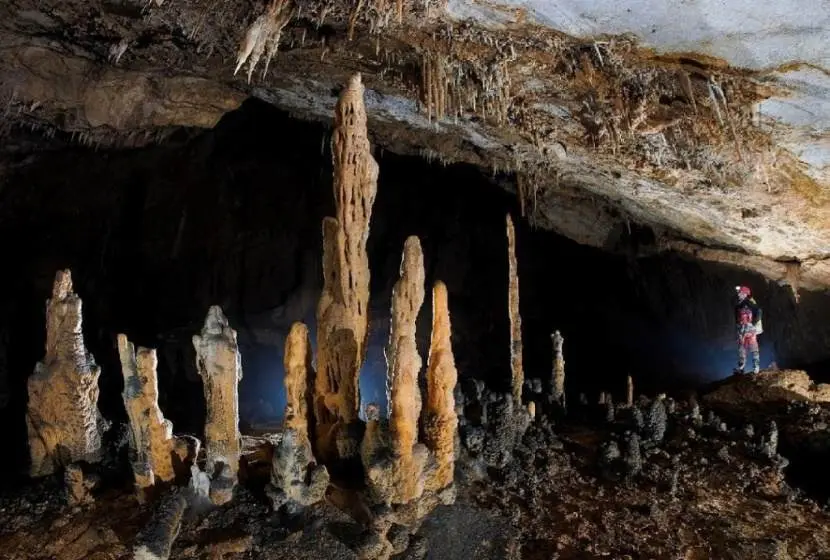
296 480
62 419
220 366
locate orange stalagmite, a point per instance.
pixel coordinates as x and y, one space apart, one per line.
298 372
516 367
342 313
441 420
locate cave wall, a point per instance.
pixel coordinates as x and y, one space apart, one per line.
232 216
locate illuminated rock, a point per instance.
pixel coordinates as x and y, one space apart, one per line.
441 420
516 367
342 313
151 435
558 369
220 366
78 486
629 391
400 477
296 479
63 421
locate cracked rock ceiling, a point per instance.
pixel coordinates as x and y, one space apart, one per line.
704 120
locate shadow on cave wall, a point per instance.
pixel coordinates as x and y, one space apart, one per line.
232 217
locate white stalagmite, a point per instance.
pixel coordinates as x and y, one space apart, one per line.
62 419
220 366
558 369
151 435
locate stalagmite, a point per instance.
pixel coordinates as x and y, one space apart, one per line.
62 419
151 436
220 366
156 539
516 367
558 369
342 313
295 477
401 479
629 399
441 420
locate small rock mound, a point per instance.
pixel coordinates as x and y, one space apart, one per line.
768 387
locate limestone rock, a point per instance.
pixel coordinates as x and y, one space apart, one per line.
441 420
342 313
151 435
156 539
516 367
399 478
62 419
78 485
296 479
220 366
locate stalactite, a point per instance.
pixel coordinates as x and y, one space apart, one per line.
220 366
342 313
151 441
516 367
441 420
63 421
296 479
263 37
558 369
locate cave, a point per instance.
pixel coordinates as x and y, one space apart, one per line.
410 280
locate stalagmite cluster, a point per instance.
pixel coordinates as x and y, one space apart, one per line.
342 313
400 479
220 366
516 367
296 479
441 420
151 436
558 369
62 419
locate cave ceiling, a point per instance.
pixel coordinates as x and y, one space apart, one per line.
704 121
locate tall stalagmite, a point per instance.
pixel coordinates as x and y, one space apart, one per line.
441 421
516 367
220 366
63 420
558 369
401 479
151 436
342 313
295 477
629 391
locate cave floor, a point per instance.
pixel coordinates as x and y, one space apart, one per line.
551 502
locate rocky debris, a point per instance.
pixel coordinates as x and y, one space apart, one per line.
342 312
399 477
156 539
151 436
765 388
220 366
296 479
516 367
441 420
62 418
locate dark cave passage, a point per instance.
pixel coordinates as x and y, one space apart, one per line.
232 217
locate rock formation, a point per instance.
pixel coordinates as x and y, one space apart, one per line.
516 367
156 539
151 436
441 420
399 478
62 419
296 479
342 313
220 366
629 391
769 386
558 369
